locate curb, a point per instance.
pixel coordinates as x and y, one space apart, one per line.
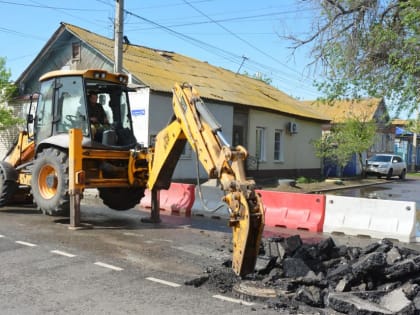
315 191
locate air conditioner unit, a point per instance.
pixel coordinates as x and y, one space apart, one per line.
292 127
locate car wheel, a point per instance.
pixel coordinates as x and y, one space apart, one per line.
389 175
403 173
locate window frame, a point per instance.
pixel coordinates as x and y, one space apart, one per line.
278 155
76 49
260 144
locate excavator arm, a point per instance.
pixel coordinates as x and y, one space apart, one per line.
192 122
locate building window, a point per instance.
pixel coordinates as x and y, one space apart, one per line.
75 51
260 144
278 145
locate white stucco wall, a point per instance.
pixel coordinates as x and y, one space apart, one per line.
139 102
160 112
297 150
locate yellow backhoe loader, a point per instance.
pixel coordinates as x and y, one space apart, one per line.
69 151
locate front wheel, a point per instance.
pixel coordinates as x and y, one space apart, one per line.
50 182
121 198
389 175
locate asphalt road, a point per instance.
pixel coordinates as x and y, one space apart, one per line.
119 266
394 189
123 266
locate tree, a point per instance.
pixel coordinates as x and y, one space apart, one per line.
354 136
7 89
413 125
367 48
8 120
260 77
359 136
326 148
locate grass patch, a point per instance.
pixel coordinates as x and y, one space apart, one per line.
305 180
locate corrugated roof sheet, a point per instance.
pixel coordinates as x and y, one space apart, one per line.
161 69
399 122
339 111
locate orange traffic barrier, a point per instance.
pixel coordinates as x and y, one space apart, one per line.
293 210
178 199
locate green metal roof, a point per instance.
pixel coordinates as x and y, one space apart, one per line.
161 69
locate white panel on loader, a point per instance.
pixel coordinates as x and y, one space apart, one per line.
376 218
212 199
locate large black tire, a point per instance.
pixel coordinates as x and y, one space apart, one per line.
50 182
403 174
121 198
389 175
8 182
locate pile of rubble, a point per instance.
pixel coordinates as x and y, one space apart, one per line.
381 278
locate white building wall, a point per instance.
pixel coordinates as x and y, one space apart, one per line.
160 112
297 150
139 102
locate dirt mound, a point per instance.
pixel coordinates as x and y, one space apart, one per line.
323 278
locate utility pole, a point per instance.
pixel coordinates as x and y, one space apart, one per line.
414 147
118 35
242 63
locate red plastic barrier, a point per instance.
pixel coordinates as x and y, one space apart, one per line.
178 199
294 210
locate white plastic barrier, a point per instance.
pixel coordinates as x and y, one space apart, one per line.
376 218
211 203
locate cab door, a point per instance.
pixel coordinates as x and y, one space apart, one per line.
43 123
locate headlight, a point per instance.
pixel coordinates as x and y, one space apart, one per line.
99 75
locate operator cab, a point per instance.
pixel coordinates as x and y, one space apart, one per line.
63 104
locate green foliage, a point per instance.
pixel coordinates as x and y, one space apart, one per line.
354 136
7 90
260 77
305 180
368 48
8 119
413 125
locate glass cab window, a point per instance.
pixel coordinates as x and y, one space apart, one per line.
100 109
71 109
44 111
109 115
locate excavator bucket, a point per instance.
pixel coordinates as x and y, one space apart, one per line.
247 222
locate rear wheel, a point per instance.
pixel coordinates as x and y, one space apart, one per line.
8 183
121 198
50 180
403 173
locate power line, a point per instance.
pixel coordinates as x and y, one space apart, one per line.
46 6
239 37
226 54
274 71
286 78
221 52
241 18
10 31
166 5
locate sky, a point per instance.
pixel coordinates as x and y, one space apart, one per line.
238 35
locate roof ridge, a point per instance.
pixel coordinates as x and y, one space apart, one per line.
160 69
